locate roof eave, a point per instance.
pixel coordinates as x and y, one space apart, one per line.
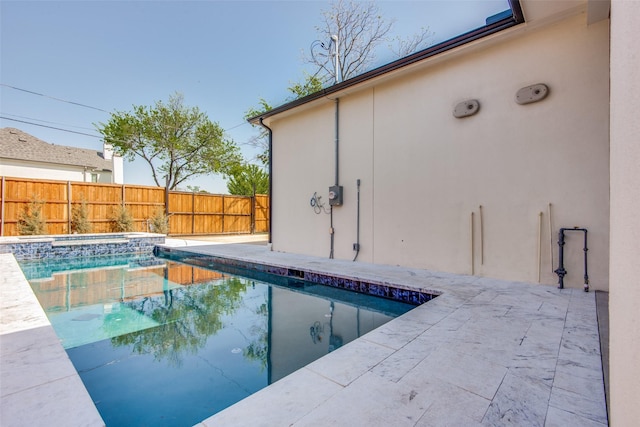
487 30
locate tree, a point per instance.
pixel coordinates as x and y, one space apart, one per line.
122 220
196 189
31 221
311 84
360 29
176 141
248 180
260 140
159 222
406 46
80 218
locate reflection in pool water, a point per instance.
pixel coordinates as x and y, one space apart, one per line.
163 343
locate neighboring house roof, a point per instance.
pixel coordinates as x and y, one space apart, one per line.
18 145
493 25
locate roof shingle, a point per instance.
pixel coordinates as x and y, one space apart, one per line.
18 145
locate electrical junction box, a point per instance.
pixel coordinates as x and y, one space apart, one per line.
335 195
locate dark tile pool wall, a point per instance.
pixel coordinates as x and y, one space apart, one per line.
377 289
56 248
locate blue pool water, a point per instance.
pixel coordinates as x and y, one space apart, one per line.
161 343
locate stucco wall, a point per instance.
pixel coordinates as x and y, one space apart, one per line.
423 172
624 298
26 169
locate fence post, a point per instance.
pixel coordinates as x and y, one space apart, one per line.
2 197
193 212
253 213
166 208
69 208
223 214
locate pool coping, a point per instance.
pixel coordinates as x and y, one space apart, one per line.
38 383
483 352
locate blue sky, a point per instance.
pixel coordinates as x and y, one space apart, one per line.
223 56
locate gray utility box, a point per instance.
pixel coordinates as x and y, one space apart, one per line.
335 195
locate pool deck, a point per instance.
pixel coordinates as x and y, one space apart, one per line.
484 352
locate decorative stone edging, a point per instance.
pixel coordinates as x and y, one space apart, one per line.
71 246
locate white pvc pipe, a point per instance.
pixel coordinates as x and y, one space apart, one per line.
539 245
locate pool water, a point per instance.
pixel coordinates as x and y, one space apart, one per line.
162 343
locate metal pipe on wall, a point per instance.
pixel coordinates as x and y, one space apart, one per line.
337 141
270 174
472 245
539 245
550 241
356 246
481 238
337 165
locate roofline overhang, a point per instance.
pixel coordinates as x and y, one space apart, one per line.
516 18
78 166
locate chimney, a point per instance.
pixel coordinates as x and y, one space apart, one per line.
107 151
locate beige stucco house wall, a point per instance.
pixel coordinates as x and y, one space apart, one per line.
624 297
423 172
482 195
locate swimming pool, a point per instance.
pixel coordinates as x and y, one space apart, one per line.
158 342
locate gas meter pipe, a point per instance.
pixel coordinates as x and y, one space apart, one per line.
561 272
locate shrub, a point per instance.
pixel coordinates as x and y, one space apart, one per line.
122 220
80 219
159 222
31 220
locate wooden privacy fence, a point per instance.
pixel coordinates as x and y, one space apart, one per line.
189 213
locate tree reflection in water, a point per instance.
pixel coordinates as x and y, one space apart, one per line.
188 316
258 349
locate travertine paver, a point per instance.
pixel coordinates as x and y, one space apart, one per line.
485 352
38 383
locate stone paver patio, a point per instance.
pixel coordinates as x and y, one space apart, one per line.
484 352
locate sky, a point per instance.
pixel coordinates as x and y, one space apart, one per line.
70 64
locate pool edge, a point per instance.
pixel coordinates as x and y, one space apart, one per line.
34 363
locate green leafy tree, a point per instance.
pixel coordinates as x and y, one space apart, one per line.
260 140
248 180
310 84
196 189
31 220
176 141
